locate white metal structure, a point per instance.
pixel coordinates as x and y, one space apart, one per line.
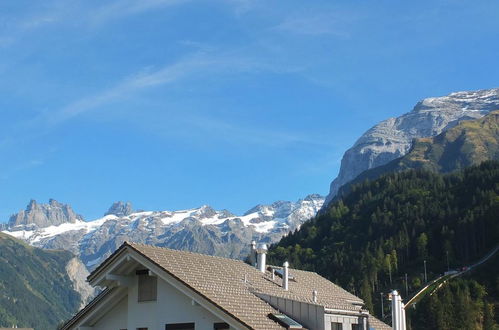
398 312
262 257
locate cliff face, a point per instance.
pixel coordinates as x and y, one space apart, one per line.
44 215
78 273
471 142
393 137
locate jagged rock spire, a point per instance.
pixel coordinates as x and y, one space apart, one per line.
44 215
120 209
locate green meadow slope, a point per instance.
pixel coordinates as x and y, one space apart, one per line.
35 290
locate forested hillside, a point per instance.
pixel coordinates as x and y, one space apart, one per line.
383 229
35 290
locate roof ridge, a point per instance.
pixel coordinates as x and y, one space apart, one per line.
183 251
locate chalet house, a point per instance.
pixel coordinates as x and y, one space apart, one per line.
153 288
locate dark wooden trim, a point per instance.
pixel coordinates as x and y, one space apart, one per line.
220 326
179 326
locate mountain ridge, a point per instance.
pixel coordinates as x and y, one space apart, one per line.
201 229
468 143
393 137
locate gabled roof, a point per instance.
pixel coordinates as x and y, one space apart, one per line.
90 306
232 285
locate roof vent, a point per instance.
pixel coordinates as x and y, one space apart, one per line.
253 254
262 256
285 276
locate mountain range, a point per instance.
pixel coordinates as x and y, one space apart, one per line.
200 229
393 137
442 134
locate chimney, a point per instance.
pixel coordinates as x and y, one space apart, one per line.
285 276
398 312
262 256
253 254
314 296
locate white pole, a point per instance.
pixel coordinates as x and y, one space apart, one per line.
402 312
285 276
382 310
395 311
425 277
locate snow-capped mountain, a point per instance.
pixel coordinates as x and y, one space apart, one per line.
392 138
43 215
201 229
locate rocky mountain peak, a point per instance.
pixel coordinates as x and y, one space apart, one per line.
205 211
120 209
44 215
392 138
314 197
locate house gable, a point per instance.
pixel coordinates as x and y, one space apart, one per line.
214 292
176 302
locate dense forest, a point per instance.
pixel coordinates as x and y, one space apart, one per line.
34 277
396 225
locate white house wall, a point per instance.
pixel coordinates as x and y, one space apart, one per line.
116 318
345 320
171 306
310 316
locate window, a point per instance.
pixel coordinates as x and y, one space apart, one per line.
179 326
336 326
148 286
285 321
356 327
220 326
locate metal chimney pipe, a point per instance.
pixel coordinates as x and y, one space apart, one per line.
402 314
253 254
262 257
398 312
285 276
314 296
395 311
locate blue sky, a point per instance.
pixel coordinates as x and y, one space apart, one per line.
172 104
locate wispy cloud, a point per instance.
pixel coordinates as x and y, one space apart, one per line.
20 167
124 8
237 133
315 24
75 13
195 64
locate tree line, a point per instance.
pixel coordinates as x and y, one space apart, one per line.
396 225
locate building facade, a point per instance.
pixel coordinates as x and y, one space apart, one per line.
150 287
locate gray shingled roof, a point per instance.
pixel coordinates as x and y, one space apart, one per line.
231 284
